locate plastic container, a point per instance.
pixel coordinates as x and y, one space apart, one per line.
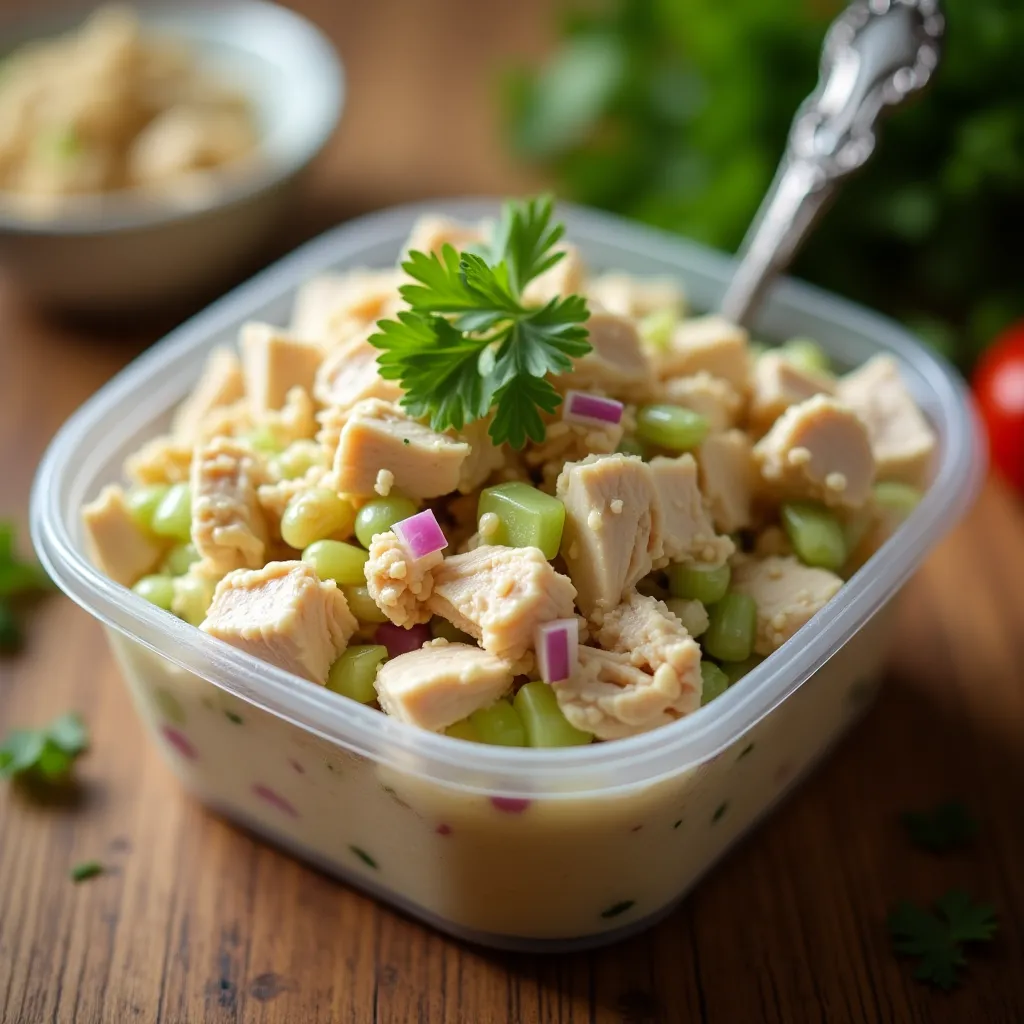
521 849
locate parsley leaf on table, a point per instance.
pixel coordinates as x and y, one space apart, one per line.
45 754
18 580
468 343
87 869
937 939
948 826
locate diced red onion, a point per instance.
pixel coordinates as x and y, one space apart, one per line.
421 534
401 641
581 407
557 645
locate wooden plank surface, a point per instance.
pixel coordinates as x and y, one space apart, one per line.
197 922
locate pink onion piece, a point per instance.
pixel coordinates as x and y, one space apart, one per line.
557 645
401 641
580 407
421 534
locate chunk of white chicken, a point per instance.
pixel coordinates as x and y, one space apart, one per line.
819 450
485 457
565 278
284 614
612 527
161 460
710 344
432 232
399 583
220 384
727 477
379 436
778 383
274 362
500 595
441 684
570 442
636 296
655 640
334 307
902 442
616 364
612 698
349 374
228 528
117 545
787 594
685 531
713 398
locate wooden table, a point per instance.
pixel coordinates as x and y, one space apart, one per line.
197 922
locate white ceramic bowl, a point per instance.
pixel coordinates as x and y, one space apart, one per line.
119 252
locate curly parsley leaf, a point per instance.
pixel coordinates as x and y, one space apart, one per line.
937 939
46 754
469 344
949 826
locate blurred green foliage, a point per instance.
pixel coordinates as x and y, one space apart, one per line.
676 112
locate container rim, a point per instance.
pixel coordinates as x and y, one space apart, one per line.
282 152
643 759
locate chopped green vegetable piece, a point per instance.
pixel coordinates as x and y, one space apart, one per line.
143 501
499 725
314 515
732 627
44 754
18 578
173 515
362 606
263 439
735 670
671 426
192 598
897 498
338 561
443 628
656 328
697 583
355 671
298 459
630 445
527 517
379 515
11 637
806 355
815 533
178 560
87 869
543 720
464 730
948 826
937 939
715 681
158 590
467 343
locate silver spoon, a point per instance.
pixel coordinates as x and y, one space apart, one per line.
876 54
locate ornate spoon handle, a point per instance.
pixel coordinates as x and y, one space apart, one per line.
875 55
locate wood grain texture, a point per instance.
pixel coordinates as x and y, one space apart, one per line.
195 921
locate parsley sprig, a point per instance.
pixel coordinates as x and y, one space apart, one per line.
938 939
44 755
469 343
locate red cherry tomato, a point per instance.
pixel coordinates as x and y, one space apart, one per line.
999 389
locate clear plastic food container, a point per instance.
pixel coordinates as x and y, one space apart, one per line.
515 848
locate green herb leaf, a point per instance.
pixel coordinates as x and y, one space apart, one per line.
11 637
468 344
948 826
87 869
937 939
47 754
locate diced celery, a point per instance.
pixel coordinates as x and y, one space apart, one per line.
733 626
715 681
543 720
526 517
361 605
173 516
897 498
656 328
464 730
806 355
143 502
179 558
379 515
815 533
298 458
353 674
698 583
499 725
338 561
192 597
263 439
671 426
158 590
